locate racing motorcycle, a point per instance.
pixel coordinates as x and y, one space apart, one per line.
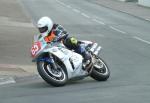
57 65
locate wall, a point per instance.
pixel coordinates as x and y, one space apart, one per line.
144 2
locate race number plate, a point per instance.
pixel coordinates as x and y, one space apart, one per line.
35 48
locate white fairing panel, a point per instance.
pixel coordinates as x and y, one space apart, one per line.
66 56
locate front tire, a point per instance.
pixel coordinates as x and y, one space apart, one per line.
54 77
100 71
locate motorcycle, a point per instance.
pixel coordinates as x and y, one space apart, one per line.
57 65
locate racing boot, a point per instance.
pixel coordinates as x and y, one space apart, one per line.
87 61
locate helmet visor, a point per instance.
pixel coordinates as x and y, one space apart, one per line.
43 29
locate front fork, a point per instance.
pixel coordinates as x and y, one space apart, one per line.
49 60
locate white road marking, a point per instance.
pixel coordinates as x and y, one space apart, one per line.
85 15
75 10
142 40
98 18
117 30
100 22
6 80
147 19
61 3
68 6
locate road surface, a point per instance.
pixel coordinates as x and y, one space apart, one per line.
126 44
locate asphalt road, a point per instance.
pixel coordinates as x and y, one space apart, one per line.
125 40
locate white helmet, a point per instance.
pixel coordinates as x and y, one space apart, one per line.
45 25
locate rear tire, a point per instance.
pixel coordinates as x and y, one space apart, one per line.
51 76
100 70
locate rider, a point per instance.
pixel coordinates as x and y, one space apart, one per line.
49 31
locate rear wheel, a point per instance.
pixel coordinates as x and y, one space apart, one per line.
55 77
100 71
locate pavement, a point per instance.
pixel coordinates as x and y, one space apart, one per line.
13 17
15 25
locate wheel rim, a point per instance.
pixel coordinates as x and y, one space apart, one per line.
57 75
100 67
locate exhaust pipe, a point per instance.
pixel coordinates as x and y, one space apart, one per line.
96 52
93 47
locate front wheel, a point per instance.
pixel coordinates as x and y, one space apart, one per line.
54 77
100 71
